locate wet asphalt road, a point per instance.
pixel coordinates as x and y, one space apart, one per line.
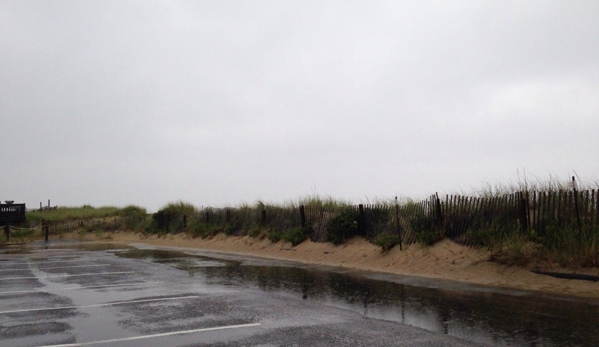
70 296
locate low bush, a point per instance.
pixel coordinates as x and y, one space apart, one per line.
72 213
256 232
514 249
142 224
198 228
178 208
343 227
133 211
274 236
386 241
428 237
232 229
21 234
172 217
297 235
571 246
490 236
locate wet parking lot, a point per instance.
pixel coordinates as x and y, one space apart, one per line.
71 294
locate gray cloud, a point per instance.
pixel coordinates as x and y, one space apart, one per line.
216 102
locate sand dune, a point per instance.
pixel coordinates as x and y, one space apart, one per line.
444 260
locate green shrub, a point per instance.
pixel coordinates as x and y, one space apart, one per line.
197 228
255 232
171 217
297 235
133 211
274 236
570 246
342 227
386 241
514 249
489 236
141 224
428 237
135 217
72 213
178 208
233 229
20 235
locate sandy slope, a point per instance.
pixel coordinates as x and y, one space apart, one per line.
445 260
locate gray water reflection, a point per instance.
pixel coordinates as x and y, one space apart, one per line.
495 318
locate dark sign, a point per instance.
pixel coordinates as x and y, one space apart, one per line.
12 213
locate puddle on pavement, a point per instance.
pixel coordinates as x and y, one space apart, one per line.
495 318
179 260
84 246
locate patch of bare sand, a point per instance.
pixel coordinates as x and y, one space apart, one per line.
444 260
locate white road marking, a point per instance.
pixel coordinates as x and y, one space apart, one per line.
89 287
57 260
99 305
55 251
70 266
8 270
55 267
41 261
157 335
50 256
75 275
12 262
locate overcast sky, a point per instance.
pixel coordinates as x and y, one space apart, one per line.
227 102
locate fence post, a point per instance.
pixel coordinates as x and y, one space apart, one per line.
361 220
439 211
398 225
523 215
208 217
184 221
303 215
46 228
263 217
578 222
597 209
7 232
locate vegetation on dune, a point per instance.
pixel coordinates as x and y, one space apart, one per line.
387 241
296 235
133 211
342 227
560 246
529 224
23 234
178 208
72 213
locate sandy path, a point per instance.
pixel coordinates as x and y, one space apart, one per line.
445 260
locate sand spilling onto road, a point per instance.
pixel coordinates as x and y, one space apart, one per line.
444 260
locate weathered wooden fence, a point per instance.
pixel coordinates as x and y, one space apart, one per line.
463 219
460 218
103 224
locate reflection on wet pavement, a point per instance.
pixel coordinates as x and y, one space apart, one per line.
494 317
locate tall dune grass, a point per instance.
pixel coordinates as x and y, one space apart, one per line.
72 213
494 227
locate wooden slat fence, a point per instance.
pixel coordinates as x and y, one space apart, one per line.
466 220
111 224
